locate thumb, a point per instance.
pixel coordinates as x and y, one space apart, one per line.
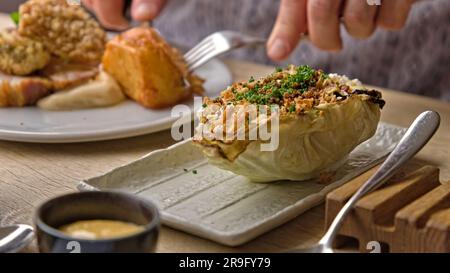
289 26
146 10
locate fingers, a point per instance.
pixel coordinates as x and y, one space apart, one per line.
110 14
323 24
289 26
323 18
146 10
360 18
394 13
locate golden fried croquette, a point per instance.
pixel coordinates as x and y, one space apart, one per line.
19 55
67 31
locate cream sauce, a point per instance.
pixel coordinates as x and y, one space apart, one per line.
101 92
100 229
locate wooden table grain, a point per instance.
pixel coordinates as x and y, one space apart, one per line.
32 173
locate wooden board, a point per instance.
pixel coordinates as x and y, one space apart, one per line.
411 213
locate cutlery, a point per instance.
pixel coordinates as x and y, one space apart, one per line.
417 135
216 44
126 14
14 238
210 47
219 43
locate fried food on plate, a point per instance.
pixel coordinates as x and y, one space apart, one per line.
65 75
56 47
20 55
67 31
321 119
21 91
150 71
27 90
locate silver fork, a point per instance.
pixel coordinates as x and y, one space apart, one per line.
217 44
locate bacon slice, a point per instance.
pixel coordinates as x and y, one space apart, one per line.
67 75
22 91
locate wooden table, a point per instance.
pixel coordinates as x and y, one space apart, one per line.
32 173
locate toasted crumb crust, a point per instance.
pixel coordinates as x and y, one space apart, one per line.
20 55
295 90
67 31
174 55
150 70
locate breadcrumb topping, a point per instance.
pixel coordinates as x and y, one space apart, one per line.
67 31
19 55
295 90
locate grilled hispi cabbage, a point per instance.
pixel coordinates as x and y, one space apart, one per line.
322 118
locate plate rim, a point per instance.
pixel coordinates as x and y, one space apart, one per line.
104 134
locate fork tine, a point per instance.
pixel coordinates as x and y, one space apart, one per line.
192 66
201 54
201 51
204 58
200 45
217 44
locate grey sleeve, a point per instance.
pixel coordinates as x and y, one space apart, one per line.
10 5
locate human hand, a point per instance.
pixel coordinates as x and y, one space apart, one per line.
321 20
110 13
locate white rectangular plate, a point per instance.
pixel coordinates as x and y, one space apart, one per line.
224 207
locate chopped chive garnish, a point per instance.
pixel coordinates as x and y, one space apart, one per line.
262 94
15 16
292 108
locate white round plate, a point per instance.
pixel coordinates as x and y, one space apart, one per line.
31 124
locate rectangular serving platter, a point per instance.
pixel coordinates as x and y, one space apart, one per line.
203 200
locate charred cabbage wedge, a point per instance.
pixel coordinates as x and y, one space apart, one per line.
321 119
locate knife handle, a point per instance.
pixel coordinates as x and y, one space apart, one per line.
127 10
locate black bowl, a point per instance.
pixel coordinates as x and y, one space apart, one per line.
94 205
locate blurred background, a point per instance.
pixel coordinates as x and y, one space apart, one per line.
415 59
